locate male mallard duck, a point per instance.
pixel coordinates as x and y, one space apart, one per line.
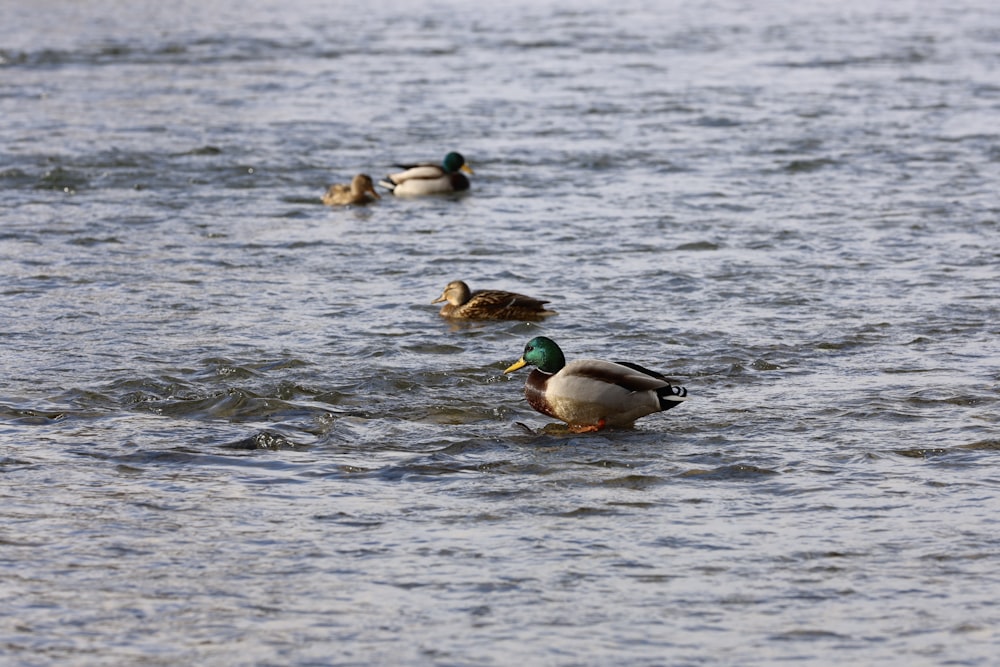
489 304
429 178
356 193
589 394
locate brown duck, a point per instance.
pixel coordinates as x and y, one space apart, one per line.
464 304
358 193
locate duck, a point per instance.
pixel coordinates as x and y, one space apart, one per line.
464 304
359 192
589 394
428 178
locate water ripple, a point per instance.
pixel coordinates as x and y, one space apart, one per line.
226 401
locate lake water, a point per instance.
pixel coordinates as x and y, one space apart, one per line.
234 431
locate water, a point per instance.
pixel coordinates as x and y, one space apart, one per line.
233 429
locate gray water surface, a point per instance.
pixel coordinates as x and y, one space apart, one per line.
234 431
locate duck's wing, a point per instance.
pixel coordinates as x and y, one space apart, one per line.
626 376
416 165
503 299
668 392
498 304
416 172
338 193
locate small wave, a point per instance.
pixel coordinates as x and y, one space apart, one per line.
60 178
806 166
739 472
263 440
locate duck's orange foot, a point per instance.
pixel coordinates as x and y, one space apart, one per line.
588 428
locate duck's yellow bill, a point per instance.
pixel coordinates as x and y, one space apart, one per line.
467 169
520 363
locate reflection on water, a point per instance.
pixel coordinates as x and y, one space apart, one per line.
235 430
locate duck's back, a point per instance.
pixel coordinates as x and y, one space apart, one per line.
419 172
501 305
338 194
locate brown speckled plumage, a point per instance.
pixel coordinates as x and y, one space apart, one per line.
361 191
489 304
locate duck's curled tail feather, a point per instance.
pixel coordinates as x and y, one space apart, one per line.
670 396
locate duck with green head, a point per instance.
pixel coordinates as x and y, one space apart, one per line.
428 178
589 394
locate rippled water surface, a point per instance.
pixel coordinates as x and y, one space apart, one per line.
233 430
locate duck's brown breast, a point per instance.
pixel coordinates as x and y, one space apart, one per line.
534 391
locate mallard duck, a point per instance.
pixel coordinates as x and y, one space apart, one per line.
589 394
429 178
490 304
359 192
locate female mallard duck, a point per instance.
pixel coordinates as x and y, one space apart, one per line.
589 394
359 192
429 178
489 304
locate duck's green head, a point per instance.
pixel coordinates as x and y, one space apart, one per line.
543 354
454 162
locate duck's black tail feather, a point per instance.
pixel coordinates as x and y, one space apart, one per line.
671 396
